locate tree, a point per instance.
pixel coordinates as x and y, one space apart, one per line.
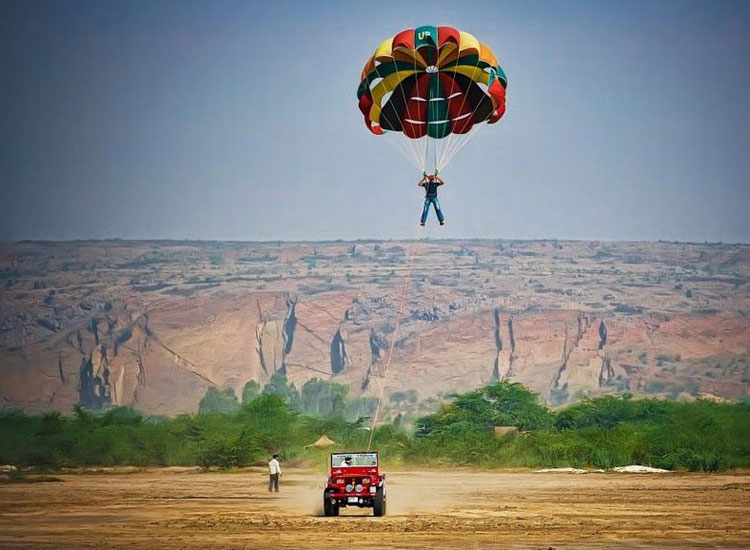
323 398
218 401
398 398
500 404
397 420
278 385
361 407
250 391
411 396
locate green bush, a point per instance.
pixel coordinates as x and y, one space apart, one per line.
601 432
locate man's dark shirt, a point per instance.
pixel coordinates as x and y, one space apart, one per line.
430 188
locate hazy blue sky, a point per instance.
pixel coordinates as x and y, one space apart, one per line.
239 120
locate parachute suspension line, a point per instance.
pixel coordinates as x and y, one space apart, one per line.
397 143
399 314
391 138
412 145
430 157
430 118
441 162
453 137
459 145
406 149
424 141
438 161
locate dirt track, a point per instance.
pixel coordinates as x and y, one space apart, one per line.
169 509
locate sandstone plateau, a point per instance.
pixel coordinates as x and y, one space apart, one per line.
152 324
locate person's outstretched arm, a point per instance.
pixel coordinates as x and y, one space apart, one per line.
422 181
440 180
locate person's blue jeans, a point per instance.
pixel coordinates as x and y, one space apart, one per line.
426 210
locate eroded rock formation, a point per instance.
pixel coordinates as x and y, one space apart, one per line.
162 321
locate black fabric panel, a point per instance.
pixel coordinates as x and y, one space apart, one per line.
480 102
393 111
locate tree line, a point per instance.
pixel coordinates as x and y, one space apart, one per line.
229 432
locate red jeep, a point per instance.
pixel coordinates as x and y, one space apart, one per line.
354 481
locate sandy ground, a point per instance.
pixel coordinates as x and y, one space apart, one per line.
171 509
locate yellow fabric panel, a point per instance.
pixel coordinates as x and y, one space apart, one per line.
487 55
447 53
384 52
388 84
468 43
369 67
405 54
477 74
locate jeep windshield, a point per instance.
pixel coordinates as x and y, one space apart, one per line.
357 460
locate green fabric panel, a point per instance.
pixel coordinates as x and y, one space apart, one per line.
501 76
437 110
425 36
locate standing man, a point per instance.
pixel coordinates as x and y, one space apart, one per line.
431 184
274 471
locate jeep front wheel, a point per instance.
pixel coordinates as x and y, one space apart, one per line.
378 504
330 509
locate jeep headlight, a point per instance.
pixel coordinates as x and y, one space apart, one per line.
358 487
349 488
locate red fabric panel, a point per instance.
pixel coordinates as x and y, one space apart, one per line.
450 85
497 92
415 109
457 106
365 104
447 34
497 114
404 39
421 89
377 130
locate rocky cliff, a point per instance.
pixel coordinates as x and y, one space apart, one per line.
153 324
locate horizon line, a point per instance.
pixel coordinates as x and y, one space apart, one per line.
365 240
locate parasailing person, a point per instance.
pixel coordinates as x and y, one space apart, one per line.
431 183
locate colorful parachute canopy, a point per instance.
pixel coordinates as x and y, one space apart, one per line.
431 81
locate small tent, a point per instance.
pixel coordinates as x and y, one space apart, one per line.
323 441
